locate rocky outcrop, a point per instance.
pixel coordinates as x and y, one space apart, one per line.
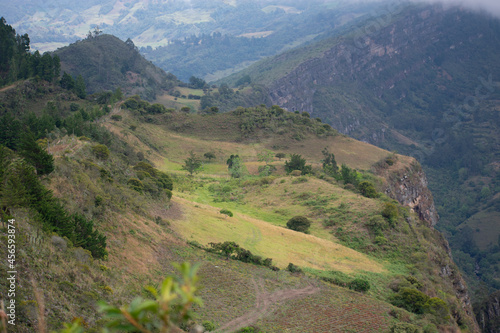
488 314
409 187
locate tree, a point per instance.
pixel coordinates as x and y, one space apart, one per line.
209 156
192 164
80 89
36 155
230 160
329 164
236 167
350 176
297 163
67 81
280 156
299 223
196 82
225 91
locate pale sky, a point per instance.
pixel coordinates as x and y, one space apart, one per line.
490 6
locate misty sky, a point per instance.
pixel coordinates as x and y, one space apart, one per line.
490 6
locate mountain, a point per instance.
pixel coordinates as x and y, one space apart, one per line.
106 63
205 39
355 269
105 193
422 80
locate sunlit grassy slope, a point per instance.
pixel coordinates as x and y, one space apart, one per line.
261 212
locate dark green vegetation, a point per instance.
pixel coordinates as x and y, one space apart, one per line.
438 101
21 188
299 223
16 61
105 63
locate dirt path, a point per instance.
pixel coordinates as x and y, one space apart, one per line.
8 87
263 303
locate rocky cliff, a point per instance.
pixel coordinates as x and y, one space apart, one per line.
488 314
399 71
409 187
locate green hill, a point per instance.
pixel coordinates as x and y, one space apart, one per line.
106 63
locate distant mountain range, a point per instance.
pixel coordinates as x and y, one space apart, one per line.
249 30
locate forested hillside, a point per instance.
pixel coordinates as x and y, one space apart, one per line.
106 63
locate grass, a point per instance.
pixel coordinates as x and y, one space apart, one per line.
204 224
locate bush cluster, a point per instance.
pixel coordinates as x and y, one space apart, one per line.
231 250
151 180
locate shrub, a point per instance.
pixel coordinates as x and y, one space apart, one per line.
74 107
390 212
293 268
359 285
101 152
172 305
250 329
116 117
209 156
299 223
404 328
437 307
380 240
208 325
410 299
367 189
135 184
226 212
376 224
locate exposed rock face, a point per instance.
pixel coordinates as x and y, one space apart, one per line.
450 271
409 187
488 314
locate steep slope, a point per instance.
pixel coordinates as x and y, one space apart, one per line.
349 239
106 63
423 81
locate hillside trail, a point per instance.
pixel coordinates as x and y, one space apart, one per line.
7 87
263 303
